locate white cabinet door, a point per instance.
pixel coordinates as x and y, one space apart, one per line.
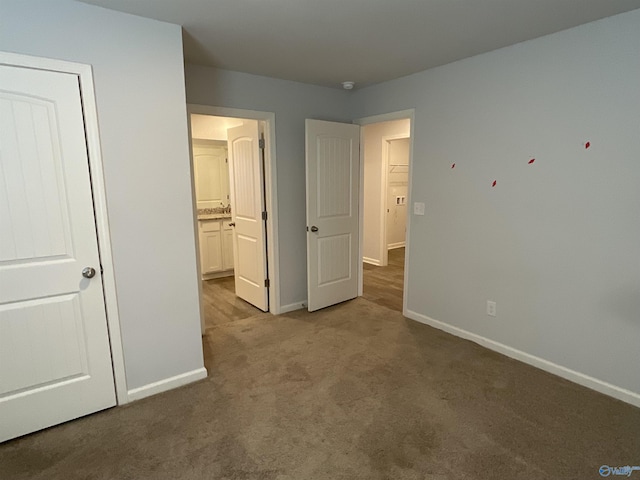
211 174
247 197
55 361
332 168
210 246
227 245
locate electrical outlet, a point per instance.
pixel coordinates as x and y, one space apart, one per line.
491 308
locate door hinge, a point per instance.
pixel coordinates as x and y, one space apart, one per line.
266 282
264 215
261 143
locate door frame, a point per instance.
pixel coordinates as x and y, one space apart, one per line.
384 202
270 182
89 110
384 117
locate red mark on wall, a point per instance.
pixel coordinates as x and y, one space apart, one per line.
531 161
453 165
587 145
494 183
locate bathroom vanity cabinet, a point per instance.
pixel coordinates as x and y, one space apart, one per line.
216 247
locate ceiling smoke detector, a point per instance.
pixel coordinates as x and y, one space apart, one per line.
348 85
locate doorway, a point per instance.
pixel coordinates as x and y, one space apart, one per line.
235 214
331 168
386 153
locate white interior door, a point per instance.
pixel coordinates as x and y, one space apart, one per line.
55 361
247 204
333 166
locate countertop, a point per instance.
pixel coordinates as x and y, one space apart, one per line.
215 216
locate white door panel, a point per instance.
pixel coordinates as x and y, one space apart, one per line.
55 362
211 247
211 174
332 156
52 328
247 205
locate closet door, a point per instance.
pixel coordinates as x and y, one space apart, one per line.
55 360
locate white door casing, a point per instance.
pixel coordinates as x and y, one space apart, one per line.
55 360
247 204
332 175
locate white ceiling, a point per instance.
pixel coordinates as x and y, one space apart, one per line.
209 127
326 42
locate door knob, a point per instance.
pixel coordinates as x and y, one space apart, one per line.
232 224
314 228
88 272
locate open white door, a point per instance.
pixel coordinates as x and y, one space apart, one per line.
246 172
55 360
333 168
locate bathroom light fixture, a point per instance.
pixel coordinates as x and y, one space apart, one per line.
348 85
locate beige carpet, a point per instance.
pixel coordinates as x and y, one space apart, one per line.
355 391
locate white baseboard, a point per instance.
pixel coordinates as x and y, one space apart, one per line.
580 378
371 261
213 276
292 306
391 246
167 384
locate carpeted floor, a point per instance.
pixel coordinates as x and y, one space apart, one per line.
354 391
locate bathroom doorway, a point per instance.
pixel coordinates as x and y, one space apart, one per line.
233 172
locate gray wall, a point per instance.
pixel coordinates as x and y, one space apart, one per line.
557 243
291 102
139 83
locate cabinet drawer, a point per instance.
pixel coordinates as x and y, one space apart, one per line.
209 226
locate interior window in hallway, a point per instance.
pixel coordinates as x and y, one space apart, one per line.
384 285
